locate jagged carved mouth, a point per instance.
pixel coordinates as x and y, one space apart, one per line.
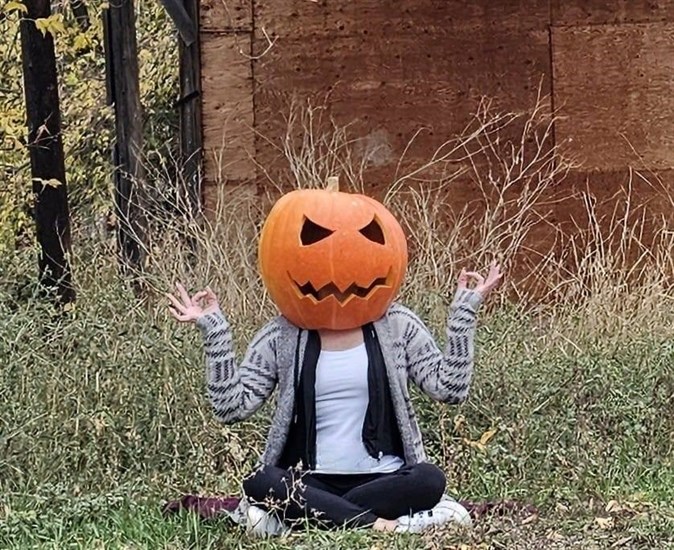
331 289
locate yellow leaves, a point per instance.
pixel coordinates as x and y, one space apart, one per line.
615 506
531 519
481 444
461 427
81 41
486 436
11 125
14 6
554 536
52 24
615 512
99 424
628 507
604 523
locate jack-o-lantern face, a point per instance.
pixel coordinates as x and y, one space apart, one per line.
331 260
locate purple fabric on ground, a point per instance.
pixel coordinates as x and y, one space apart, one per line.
204 507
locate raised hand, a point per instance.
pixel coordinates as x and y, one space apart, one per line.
482 285
188 309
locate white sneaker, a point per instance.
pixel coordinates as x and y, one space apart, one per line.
443 512
263 524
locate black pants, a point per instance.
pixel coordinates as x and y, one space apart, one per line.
352 500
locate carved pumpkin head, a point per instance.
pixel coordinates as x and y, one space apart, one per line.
331 260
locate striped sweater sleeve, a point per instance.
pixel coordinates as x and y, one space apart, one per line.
445 377
236 392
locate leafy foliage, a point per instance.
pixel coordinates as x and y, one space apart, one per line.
87 121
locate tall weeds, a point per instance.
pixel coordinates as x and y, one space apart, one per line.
572 367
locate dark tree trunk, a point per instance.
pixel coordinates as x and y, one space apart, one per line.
46 152
123 92
190 112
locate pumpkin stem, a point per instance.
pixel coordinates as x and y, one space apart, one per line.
333 183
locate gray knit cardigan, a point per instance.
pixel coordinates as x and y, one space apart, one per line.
409 351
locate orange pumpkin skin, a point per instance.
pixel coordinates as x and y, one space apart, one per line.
331 260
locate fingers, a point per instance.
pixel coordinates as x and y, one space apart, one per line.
494 269
482 285
494 278
475 276
465 276
211 298
176 303
183 294
462 279
495 275
178 316
198 296
186 308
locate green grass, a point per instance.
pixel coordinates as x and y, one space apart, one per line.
102 407
111 522
103 417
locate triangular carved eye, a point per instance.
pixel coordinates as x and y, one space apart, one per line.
373 232
312 232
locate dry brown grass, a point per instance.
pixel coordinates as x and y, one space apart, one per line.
603 267
106 401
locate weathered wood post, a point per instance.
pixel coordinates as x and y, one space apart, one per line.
46 151
190 110
121 58
185 16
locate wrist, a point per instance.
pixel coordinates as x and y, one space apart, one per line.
469 297
210 320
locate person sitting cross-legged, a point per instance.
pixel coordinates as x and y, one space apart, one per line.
344 447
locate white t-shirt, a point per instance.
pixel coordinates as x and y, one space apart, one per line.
341 404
